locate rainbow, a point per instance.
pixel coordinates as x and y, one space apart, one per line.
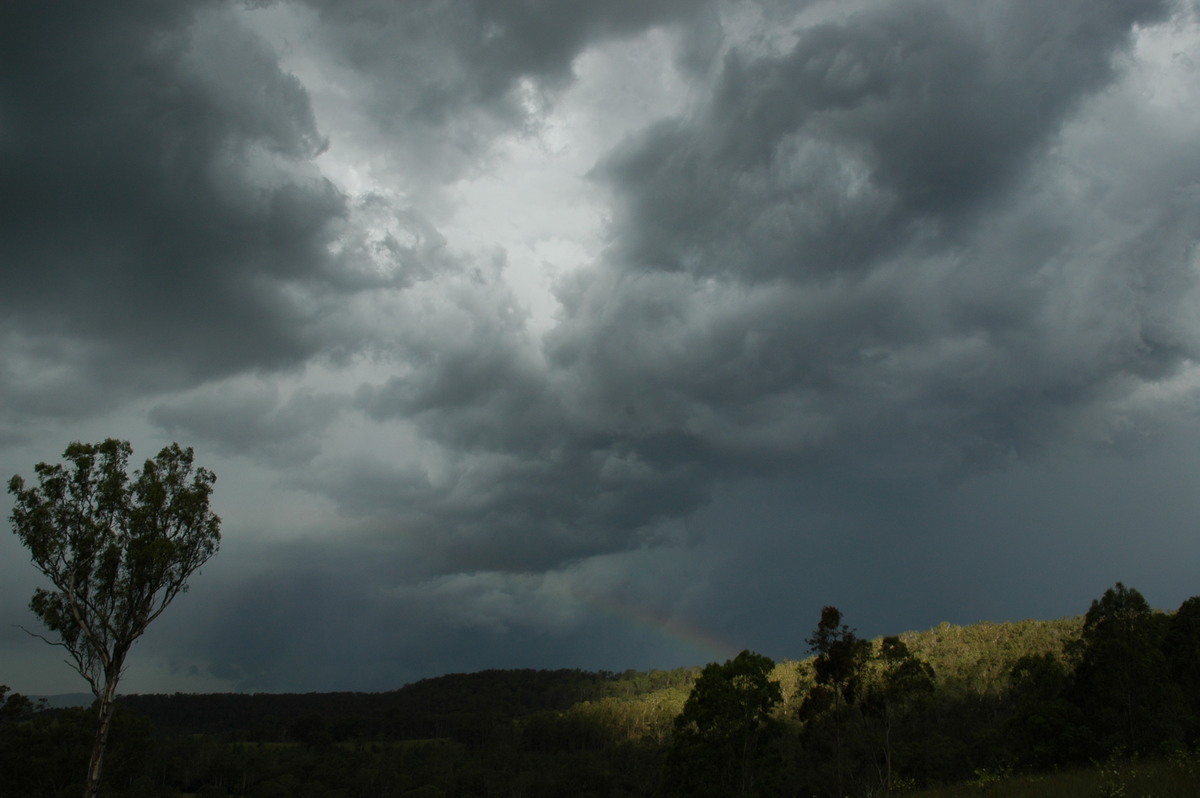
648 619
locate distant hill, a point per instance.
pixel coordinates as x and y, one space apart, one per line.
943 708
968 660
978 658
65 700
463 706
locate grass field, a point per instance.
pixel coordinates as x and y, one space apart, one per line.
1176 776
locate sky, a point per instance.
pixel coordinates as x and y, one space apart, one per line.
606 335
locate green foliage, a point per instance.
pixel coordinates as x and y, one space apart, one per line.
724 735
997 709
975 662
1044 728
116 549
840 654
838 669
1182 649
955 702
899 687
861 715
900 681
608 722
46 753
1172 776
1122 676
14 707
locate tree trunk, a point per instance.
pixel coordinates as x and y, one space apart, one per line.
887 752
837 739
107 706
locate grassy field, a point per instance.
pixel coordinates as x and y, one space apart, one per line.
1177 776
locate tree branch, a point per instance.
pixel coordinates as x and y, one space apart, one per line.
43 639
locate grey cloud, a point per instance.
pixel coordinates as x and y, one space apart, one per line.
327 613
440 81
1037 542
476 52
465 359
868 133
252 420
518 513
804 263
868 303
474 352
980 320
534 471
160 210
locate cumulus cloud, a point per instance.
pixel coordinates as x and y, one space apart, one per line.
872 265
865 252
251 420
448 77
161 211
319 613
868 133
857 253
868 235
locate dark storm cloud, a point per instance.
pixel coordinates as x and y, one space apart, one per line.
860 258
251 420
439 81
516 513
161 219
863 301
863 235
434 59
317 614
528 477
821 160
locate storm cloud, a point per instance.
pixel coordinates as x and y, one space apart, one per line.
510 324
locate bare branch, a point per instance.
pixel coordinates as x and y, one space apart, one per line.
45 640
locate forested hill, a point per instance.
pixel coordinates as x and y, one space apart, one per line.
462 706
979 658
468 707
859 717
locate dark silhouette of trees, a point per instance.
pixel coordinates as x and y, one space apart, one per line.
1044 728
897 690
723 737
1182 648
13 706
117 550
840 653
1122 680
864 700
952 704
840 656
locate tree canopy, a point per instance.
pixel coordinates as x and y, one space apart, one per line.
116 548
723 735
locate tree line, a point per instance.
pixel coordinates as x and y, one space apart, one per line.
855 718
871 717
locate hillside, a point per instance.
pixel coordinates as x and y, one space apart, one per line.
463 706
949 705
968 660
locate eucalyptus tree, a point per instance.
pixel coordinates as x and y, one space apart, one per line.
900 683
723 736
1182 648
1122 676
840 657
117 549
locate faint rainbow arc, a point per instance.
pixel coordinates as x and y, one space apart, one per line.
648 619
